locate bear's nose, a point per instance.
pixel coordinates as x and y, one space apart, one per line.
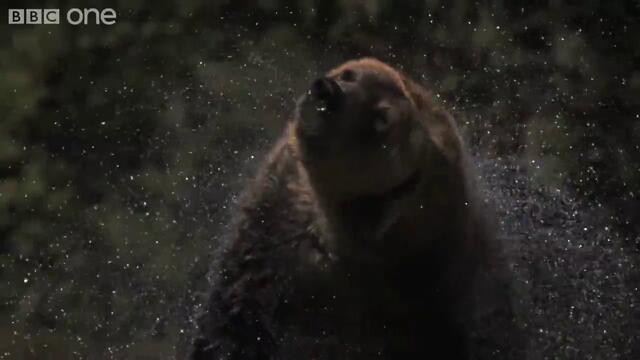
327 90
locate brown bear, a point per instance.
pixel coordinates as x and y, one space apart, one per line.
360 237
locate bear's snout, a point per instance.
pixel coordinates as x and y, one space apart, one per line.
328 91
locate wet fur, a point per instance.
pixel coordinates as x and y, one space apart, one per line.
396 274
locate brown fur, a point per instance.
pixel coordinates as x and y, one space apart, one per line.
352 247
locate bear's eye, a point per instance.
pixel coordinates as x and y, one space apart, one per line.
348 75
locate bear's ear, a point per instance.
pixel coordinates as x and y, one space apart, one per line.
419 95
440 125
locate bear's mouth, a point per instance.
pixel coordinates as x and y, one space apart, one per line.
320 110
405 187
315 117
377 212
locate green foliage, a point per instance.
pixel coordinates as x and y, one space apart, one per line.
121 147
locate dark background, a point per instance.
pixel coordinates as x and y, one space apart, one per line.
123 147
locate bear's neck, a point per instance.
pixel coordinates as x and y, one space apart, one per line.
358 226
412 219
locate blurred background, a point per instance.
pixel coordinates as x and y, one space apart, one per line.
123 148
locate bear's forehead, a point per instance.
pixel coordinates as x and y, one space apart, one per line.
381 71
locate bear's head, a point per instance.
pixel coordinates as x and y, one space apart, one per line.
363 129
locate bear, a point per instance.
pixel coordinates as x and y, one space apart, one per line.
362 235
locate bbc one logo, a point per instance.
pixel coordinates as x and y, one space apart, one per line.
73 16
